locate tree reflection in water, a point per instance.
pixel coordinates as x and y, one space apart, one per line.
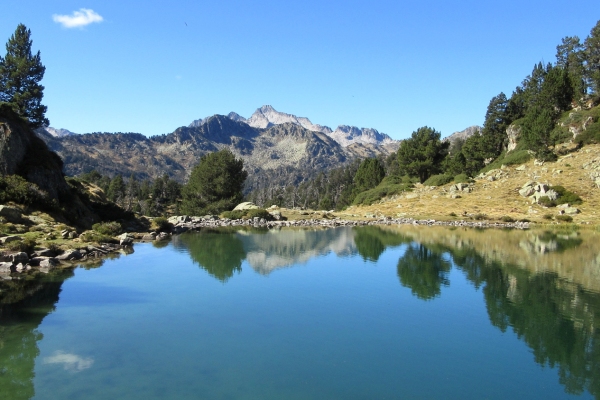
424 271
219 252
553 316
371 241
23 306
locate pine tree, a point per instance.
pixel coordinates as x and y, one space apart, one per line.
422 154
20 74
592 58
215 184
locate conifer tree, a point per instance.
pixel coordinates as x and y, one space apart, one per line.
592 58
20 76
215 184
422 154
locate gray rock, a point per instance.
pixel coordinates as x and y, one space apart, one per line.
526 191
246 206
8 239
6 267
43 253
10 213
552 194
70 255
21 257
48 263
162 236
126 239
571 211
149 236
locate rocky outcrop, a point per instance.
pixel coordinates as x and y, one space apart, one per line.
513 132
23 153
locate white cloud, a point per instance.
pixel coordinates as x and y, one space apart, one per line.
70 362
78 19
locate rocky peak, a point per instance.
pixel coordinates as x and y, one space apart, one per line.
266 116
463 135
347 135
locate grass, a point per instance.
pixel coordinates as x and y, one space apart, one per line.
516 157
438 180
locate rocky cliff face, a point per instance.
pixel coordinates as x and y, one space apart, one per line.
23 153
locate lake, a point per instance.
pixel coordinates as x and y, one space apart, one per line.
346 313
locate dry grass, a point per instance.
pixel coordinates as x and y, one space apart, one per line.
499 198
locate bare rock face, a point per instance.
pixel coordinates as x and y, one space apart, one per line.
25 154
514 133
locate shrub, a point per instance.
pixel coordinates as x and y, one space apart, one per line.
260 213
462 178
108 228
547 216
566 196
161 224
17 189
479 217
506 218
382 190
564 218
26 245
236 214
452 214
93 236
438 180
546 202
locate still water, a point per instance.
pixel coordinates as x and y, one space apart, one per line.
349 313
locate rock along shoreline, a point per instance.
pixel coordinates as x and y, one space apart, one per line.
45 260
184 223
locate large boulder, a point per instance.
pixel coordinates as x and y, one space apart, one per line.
246 206
10 213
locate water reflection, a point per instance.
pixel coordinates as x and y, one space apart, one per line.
424 271
542 285
23 305
219 252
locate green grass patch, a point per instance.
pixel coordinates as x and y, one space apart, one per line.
516 157
438 180
564 218
384 189
462 178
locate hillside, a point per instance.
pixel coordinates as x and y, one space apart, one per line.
495 194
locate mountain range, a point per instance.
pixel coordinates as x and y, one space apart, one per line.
277 148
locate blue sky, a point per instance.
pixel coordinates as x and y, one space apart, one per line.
151 67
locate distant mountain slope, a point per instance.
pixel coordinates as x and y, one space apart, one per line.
280 155
464 134
277 148
55 132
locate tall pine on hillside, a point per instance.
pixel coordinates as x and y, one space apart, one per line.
20 76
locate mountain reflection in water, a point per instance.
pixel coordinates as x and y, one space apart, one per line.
544 286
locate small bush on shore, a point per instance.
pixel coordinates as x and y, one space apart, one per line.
564 218
507 219
108 228
26 245
161 224
97 237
